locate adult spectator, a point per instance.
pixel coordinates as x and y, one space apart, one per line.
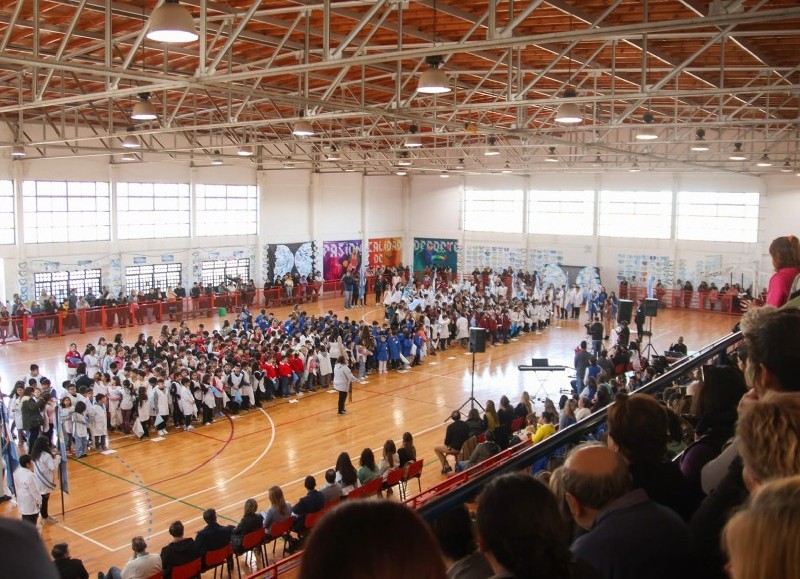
346 474
528 539
595 330
213 536
638 319
311 503
762 539
181 550
29 499
31 406
367 468
457 433
629 536
68 568
580 363
279 509
714 411
455 534
375 553
143 565
785 253
773 357
546 428
638 428
484 450
769 439
251 520
679 347
332 491
408 452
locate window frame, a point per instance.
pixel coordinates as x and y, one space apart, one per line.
714 219
170 277
214 271
217 215
550 198
59 208
618 223
158 220
486 205
66 281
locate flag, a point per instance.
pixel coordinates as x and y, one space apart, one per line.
649 285
514 284
538 286
63 474
10 457
433 283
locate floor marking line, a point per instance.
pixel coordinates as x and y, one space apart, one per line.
85 538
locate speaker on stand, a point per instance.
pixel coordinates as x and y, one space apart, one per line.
651 311
477 345
624 311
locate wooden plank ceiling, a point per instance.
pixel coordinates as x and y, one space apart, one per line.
70 72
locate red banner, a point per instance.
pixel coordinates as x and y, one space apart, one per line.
385 252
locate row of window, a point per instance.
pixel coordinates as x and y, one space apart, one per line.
139 278
699 216
69 211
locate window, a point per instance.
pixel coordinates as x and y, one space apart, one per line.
7 228
646 214
561 212
144 277
718 216
499 211
224 271
59 211
226 210
60 283
152 210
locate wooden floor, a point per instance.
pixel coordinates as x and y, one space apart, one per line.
144 486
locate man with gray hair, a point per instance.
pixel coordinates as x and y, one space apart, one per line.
143 565
629 536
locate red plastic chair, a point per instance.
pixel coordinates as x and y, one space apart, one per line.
252 541
369 488
312 519
280 531
517 424
414 471
395 478
190 570
217 558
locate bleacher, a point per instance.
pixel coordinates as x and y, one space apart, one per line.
463 487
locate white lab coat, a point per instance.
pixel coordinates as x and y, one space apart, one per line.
29 499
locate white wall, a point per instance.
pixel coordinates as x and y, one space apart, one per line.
300 205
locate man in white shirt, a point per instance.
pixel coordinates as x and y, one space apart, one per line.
29 499
143 565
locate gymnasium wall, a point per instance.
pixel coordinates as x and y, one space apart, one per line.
299 205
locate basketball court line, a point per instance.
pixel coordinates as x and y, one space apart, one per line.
174 500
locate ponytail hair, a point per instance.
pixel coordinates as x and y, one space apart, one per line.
785 251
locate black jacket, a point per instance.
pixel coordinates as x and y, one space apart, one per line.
457 433
178 553
213 536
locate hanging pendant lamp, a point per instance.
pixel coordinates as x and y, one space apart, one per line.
172 23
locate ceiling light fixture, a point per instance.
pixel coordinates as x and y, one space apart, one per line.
568 112
433 80
288 164
492 150
129 157
634 168
598 161
700 144
506 169
787 167
18 151
144 110
460 164
737 154
333 154
216 159
245 150
404 160
413 140
648 131
551 156
444 174
131 141
172 22
302 128
349 168
400 171
764 161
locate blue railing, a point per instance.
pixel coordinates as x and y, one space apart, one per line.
584 430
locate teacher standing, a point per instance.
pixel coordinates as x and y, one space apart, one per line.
342 379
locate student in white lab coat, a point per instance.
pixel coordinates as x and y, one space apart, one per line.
29 499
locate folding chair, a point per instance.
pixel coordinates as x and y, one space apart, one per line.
217 558
190 570
372 487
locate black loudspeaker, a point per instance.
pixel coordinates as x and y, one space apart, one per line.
477 340
624 311
651 307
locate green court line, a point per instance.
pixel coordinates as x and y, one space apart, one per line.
152 490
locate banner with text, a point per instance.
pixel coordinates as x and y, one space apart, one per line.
385 252
337 256
441 253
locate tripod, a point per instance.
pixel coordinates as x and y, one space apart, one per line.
649 350
472 401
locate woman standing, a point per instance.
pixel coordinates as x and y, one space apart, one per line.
31 410
342 380
15 410
45 463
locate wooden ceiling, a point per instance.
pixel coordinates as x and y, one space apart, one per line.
70 71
